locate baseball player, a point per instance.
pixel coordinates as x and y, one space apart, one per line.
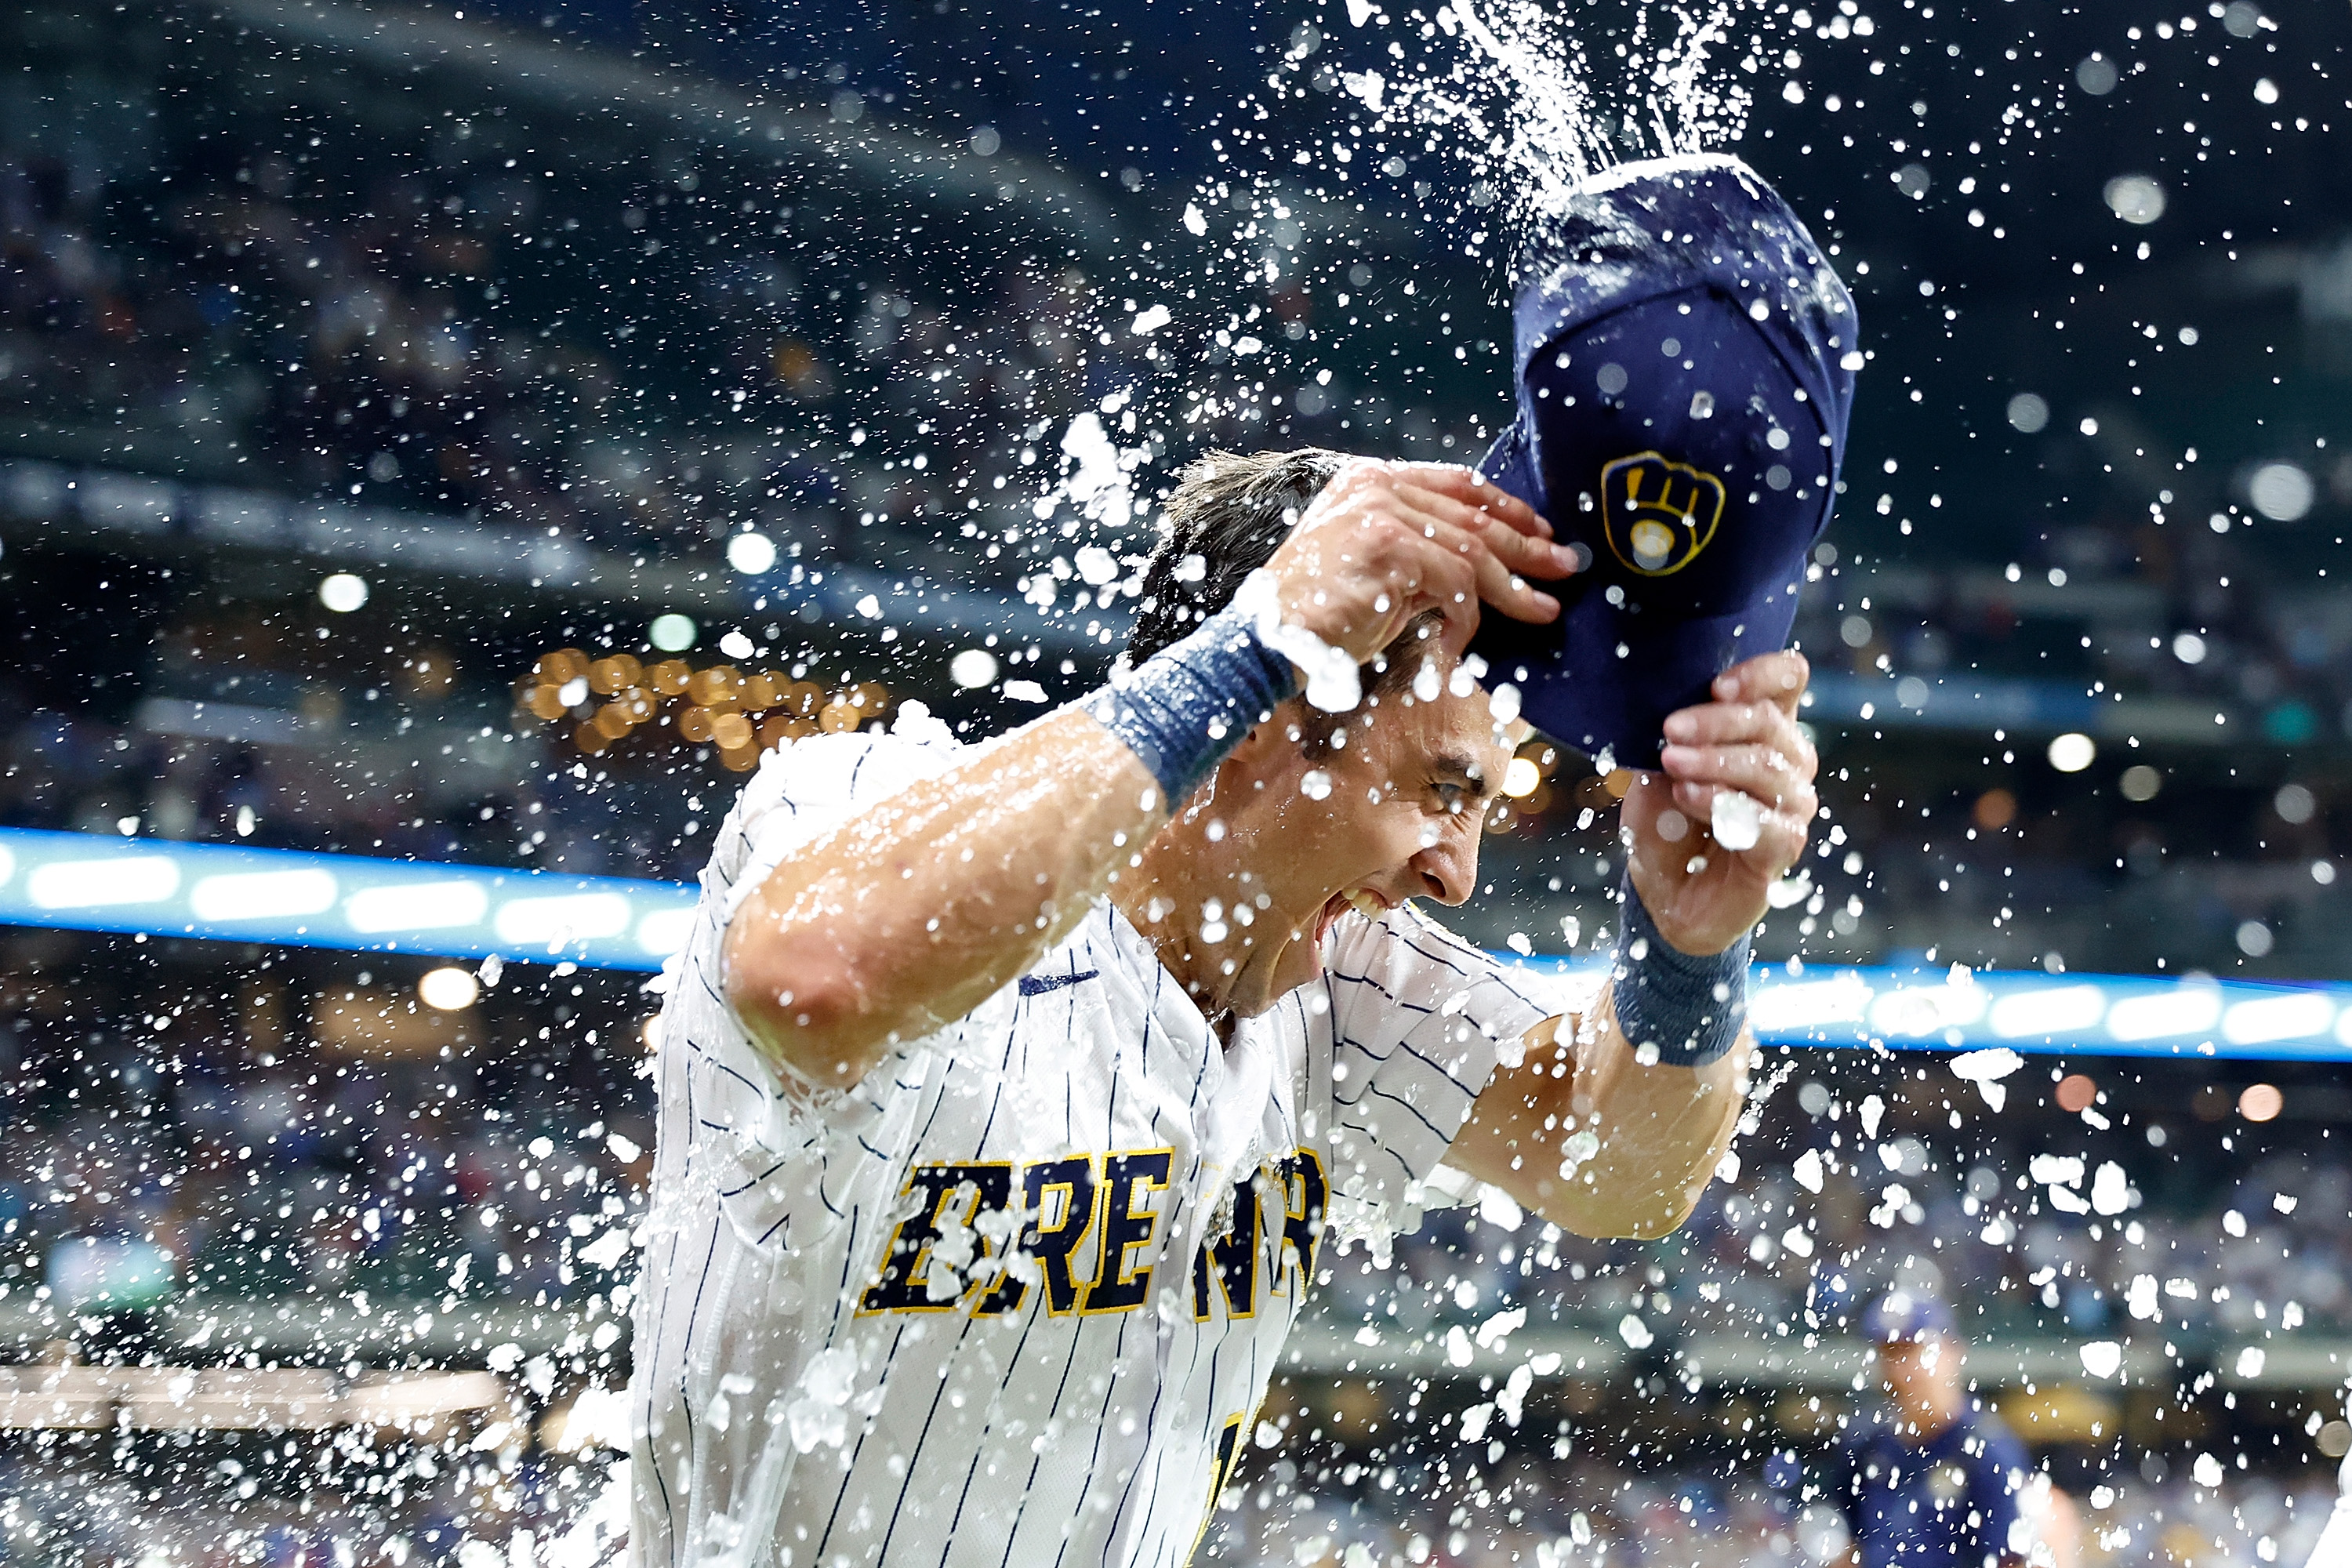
1010 1093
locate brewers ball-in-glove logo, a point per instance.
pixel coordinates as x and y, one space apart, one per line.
1658 514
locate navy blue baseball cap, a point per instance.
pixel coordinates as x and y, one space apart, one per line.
1908 1316
1685 367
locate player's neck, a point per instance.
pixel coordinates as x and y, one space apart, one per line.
1183 897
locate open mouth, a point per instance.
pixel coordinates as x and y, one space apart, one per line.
1371 906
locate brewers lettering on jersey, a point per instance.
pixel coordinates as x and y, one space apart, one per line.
1012 1095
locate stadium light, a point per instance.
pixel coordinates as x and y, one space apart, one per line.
2288 1017
2048 1011
356 903
751 554
448 989
666 931
2073 751
262 895
95 884
557 921
2185 1010
424 906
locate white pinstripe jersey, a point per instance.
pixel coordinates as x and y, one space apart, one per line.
1014 1299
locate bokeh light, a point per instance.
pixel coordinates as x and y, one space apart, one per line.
2073 751
448 988
1994 810
2135 198
2282 491
343 592
751 554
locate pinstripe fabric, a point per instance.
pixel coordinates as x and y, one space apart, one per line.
866 1332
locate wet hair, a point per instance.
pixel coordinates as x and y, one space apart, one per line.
1226 517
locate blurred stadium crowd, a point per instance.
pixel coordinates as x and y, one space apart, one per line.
1591 1511
1523 1512
351 344
273 1139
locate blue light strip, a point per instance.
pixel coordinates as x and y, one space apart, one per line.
2042 1014
356 903
85 881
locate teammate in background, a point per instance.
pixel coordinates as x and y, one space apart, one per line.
1007 1091
1942 1483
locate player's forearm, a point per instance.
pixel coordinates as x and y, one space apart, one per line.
905 918
909 916
1609 1148
1582 1133
1656 1134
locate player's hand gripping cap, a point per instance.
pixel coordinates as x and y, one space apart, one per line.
1682 366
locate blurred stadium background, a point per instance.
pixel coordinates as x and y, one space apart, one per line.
471 437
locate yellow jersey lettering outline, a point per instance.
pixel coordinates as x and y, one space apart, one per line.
903 1284
1222 1466
1053 1248
1121 1283
1094 1199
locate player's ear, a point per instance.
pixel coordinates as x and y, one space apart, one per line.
1259 753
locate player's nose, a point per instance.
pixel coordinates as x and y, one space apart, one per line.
1447 870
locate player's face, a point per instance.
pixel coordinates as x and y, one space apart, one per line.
1396 814
1923 1379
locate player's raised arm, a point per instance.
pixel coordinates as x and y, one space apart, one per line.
1613 1121
907 917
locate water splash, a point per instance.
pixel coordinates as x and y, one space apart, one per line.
1521 99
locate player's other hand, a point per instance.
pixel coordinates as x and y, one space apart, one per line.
1746 742
1385 541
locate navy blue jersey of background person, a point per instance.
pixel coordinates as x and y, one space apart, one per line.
1953 1500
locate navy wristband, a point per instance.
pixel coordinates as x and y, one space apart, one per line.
1185 707
1689 1007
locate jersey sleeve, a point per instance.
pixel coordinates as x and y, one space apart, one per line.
800 792
806 789
1420 1019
